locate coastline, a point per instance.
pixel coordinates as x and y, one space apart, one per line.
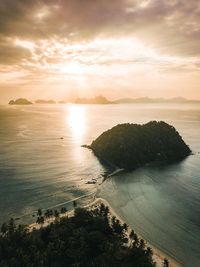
158 255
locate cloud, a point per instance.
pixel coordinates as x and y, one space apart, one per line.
42 19
72 40
173 26
12 54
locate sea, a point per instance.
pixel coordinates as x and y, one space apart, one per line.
43 165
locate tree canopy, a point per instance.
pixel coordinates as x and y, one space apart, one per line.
132 145
89 238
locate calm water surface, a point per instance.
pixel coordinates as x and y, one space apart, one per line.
42 164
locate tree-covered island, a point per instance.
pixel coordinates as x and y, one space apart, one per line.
130 146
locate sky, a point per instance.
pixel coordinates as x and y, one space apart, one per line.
82 48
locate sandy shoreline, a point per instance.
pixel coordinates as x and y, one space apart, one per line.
158 255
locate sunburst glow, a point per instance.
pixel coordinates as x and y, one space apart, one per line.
67 49
76 120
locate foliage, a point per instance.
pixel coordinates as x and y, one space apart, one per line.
89 238
132 145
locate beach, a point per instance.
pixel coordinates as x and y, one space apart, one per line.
158 256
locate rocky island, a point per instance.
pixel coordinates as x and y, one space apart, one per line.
20 101
42 101
97 100
130 146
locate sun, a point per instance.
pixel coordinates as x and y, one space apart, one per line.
72 68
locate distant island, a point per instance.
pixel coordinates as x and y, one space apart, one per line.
97 100
130 146
102 100
20 101
63 102
42 101
148 100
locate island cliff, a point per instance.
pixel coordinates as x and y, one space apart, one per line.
42 101
130 146
20 101
97 100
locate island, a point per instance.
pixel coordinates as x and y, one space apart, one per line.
42 101
62 102
148 100
97 100
20 101
130 146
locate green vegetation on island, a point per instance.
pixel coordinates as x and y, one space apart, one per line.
20 101
130 146
91 238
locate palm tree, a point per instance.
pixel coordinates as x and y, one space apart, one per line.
113 219
102 209
142 244
74 204
56 213
11 226
47 213
136 240
4 228
106 210
39 212
125 226
50 213
165 263
132 234
40 220
63 210
149 251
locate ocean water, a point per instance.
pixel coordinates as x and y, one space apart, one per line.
43 165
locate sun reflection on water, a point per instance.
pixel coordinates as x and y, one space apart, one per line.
77 121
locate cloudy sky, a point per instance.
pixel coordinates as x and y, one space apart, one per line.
118 48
